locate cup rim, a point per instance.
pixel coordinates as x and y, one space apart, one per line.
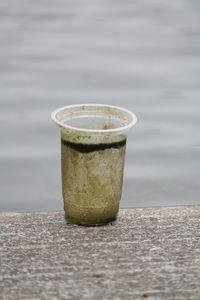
100 131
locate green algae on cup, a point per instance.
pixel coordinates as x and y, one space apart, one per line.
93 143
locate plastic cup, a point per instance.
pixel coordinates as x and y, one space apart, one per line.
93 144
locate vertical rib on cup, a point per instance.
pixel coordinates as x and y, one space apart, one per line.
93 144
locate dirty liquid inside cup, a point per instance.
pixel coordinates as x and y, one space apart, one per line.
93 147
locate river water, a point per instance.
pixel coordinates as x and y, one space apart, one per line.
141 55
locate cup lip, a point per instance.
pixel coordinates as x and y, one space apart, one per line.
100 131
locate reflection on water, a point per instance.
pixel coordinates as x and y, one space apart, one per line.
136 56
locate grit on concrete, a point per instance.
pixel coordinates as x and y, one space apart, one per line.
149 253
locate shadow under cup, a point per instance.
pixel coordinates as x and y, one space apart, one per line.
93 144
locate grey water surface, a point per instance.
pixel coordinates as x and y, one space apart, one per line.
141 55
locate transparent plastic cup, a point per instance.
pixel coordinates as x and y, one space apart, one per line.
93 143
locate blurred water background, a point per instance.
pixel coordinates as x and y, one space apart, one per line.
138 54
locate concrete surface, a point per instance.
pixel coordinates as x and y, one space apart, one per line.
149 253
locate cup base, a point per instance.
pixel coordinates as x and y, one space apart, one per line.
72 220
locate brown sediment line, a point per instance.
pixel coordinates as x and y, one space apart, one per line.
85 148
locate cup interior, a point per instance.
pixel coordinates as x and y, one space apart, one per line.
94 118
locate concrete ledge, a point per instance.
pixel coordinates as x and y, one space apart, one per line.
149 253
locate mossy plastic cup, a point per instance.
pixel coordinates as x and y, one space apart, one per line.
93 143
